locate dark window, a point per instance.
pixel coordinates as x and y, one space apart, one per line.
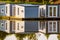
18 26
18 11
6 26
42 12
6 9
42 25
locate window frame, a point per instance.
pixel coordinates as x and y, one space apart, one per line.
52 11
52 26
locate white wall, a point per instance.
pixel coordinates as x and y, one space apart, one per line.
21 14
21 23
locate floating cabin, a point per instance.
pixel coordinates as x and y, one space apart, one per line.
26 11
30 11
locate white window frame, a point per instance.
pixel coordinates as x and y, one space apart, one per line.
52 26
52 11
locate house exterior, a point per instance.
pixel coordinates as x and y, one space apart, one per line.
25 11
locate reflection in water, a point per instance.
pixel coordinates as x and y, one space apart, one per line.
29 26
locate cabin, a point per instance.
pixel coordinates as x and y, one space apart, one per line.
4 9
26 11
49 11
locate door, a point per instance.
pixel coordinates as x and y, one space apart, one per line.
52 26
52 11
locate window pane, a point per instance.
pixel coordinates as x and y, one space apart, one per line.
54 26
18 11
18 26
50 11
42 12
13 25
54 11
6 26
6 9
50 26
42 25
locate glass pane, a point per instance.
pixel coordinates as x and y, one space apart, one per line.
50 26
18 11
18 26
6 26
42 12
54 26
50 11
6 9
42 25
54 11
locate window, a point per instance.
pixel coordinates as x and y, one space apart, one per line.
18 11
52 26
6 26
42 12
18 26
6 9
52 11
42 25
